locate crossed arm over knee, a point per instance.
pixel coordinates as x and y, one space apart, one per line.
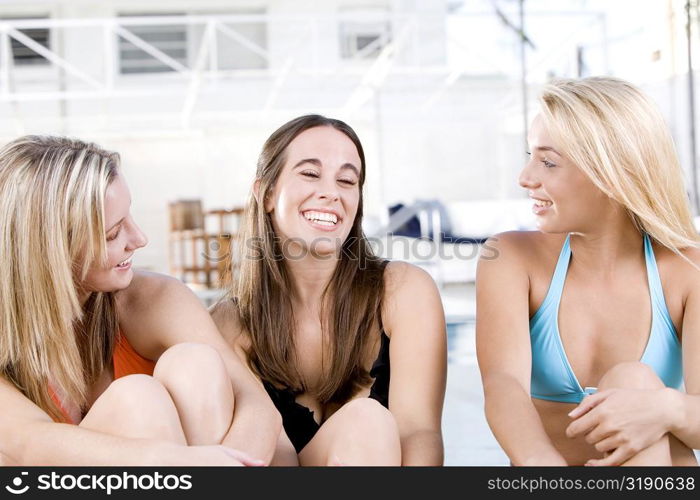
171 314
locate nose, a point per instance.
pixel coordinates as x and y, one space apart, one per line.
137 238
528 178
328 190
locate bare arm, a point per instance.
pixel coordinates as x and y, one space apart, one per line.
685 413
414 319
505 356
166 310
28 437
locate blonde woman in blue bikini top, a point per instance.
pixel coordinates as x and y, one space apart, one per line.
588 330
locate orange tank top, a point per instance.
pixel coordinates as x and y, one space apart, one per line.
129 362
125 360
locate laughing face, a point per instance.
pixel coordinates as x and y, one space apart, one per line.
564 198
316 196
123 238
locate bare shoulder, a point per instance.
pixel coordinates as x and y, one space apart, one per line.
398 275
155 309
674 260
680 272
410 296
521 246
148 288
524 255
227 318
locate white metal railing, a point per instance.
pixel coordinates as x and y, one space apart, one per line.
76 77
309 55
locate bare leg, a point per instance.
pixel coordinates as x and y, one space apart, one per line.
285 454
197 380
6 461
681 455
635 375
361 432
137 406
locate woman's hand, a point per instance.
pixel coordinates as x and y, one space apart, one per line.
622 422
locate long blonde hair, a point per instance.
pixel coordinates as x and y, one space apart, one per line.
51 230
618 138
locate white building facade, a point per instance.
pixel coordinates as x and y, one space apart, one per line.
187 91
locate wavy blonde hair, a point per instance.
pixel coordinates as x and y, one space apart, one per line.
616 135
51 230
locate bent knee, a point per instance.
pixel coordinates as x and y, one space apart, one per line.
136 392
188 360
630 375
137 406
367 415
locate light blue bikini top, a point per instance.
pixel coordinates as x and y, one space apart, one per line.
552 377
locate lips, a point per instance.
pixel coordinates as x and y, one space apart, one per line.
542 203
124 264
540 206
321 218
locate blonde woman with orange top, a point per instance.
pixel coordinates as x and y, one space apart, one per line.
101 364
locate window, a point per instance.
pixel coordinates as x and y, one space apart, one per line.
242 45
23 55
169 39
364 38
239 44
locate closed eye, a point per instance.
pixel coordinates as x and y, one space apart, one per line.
348 182
310 173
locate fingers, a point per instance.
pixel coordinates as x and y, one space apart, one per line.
599 433
582 425
588 403
608 444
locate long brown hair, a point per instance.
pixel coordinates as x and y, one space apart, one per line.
51 229
351 301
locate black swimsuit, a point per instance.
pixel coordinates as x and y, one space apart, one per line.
298 420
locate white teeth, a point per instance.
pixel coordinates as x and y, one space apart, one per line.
323 218
122 264
542 203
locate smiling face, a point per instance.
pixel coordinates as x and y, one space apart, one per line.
564 198
123 237
315 198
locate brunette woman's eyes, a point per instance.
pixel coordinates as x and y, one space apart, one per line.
314 175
